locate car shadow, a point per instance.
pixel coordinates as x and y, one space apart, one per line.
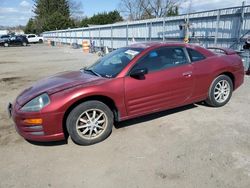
127 123
54 143
15 46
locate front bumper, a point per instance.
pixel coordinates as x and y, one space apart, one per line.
51 128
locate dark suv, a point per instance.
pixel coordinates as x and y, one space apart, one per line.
3 39
8 40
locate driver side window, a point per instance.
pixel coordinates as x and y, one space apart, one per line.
162 58
31 36
12 38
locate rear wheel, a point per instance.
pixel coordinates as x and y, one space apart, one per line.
40 41
24 44
6 44
220 91
89 123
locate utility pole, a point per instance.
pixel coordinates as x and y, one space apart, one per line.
240 25
187 23
217 28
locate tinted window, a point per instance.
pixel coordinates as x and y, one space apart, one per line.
13 38
31 36
195 55
162 58
5 36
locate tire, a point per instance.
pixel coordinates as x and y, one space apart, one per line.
82 127
100 54
220 91
40 41
24 44
6 44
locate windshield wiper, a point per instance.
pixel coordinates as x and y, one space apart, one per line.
92 71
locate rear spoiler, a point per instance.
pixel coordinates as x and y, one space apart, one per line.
226 51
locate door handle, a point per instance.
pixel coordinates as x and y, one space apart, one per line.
187 74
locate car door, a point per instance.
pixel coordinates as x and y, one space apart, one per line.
12 40
32 38
202 73
169 81
18 40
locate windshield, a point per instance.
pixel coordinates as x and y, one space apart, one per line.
113 63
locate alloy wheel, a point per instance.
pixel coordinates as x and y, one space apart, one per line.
222 91
91 124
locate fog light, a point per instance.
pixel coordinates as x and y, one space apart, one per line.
38 121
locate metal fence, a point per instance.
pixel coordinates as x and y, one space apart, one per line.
223 27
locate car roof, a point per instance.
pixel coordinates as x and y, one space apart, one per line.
156 44
149 44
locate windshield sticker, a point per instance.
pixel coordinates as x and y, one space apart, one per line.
132 52
108 76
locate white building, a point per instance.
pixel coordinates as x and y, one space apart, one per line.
17 31
4 32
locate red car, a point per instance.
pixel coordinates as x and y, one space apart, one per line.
129 82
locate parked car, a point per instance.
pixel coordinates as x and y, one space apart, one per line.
245 55
32 38
246 46
129 82
19 40
3 39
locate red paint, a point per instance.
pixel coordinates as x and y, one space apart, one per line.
160 90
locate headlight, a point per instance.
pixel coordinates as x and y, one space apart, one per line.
36 104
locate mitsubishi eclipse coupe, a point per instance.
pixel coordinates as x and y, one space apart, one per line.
129 82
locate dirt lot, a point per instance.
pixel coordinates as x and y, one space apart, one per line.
192 147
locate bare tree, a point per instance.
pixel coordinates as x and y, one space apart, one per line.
160 8
142 9
131 9
76 9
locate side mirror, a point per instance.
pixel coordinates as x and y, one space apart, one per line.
139 73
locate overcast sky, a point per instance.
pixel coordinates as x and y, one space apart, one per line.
17 12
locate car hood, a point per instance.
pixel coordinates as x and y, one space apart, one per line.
57 83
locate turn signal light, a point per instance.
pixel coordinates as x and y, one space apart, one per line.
38 121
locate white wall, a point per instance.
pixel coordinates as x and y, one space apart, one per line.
3 32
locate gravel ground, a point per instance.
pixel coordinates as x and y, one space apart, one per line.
193 146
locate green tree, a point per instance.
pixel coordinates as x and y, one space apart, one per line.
59 14
51 15
114 16
102 18
173 11
84 22
30 27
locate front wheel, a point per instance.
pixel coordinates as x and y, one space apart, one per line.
220 91
90 122
24 44
6 44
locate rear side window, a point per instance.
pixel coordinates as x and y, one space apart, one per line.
5 36
162 58
195 55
